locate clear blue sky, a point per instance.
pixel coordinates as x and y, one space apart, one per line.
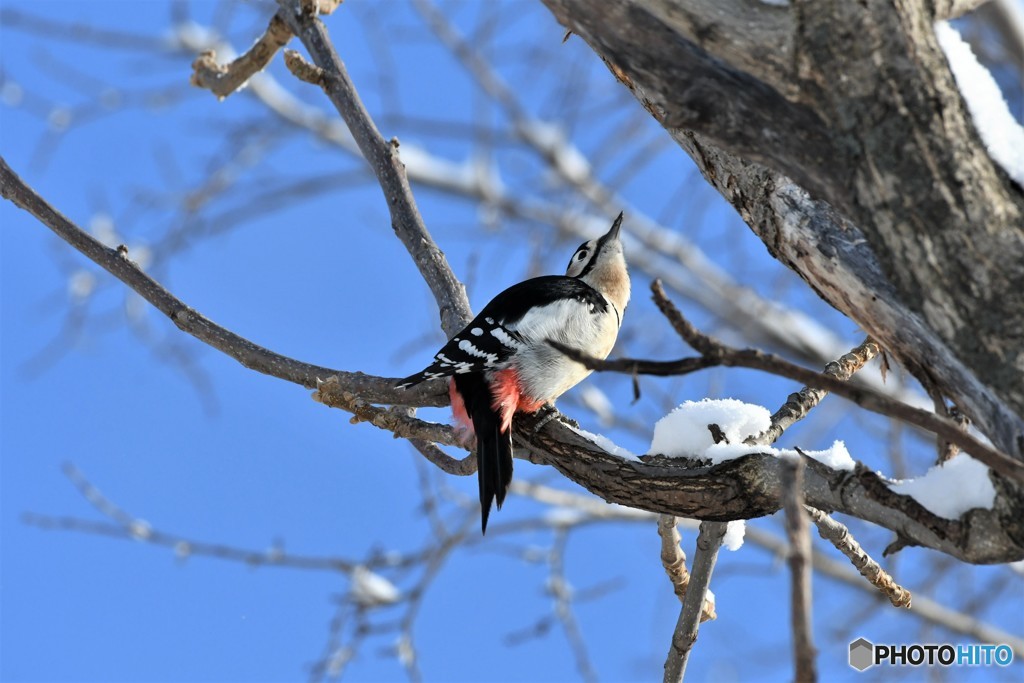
211 451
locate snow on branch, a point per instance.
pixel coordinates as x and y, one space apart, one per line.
1002 135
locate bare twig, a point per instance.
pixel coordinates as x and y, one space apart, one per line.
839 536
445 462
223 80
386 163
128 527
672 557
396 420
674 561
800 571
709 541
303 70
802 402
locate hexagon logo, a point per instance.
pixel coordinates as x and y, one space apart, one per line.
862 654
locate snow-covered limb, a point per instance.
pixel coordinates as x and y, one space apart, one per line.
714 353
750 486
952 488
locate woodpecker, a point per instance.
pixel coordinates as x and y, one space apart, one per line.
502 363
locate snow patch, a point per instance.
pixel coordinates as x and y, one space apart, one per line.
836 457
370 589
952 488
734 533
605 443
684 432
1002 135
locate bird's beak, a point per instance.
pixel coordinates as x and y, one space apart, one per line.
613 234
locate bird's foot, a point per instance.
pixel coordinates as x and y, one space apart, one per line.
549 412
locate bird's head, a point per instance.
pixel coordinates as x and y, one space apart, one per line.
601 264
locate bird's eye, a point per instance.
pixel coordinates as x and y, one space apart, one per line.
583 255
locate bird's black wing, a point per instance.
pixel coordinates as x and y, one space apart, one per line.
487 342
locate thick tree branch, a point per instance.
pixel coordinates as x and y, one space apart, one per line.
929 258
726 104
715 353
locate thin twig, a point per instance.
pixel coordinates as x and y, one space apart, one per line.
799 404
838 535
384 159
446 463
395 420
709 541
223 80
673 559
800 570
128 527
796 408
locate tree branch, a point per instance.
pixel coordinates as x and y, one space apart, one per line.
709 542
898 263
714 353
386 163
799 404
252 356
838 535
739 489
674 561
223 80
800 570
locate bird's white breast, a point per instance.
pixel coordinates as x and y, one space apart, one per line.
544 372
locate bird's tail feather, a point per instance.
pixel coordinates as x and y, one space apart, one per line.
494 446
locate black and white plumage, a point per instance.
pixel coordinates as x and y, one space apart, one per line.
507 325
502 362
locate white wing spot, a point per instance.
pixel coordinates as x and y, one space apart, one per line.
476 331
467 346
489 321
505 338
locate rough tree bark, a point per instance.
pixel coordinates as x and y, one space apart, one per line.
838 133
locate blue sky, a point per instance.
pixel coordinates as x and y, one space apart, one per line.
204 449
